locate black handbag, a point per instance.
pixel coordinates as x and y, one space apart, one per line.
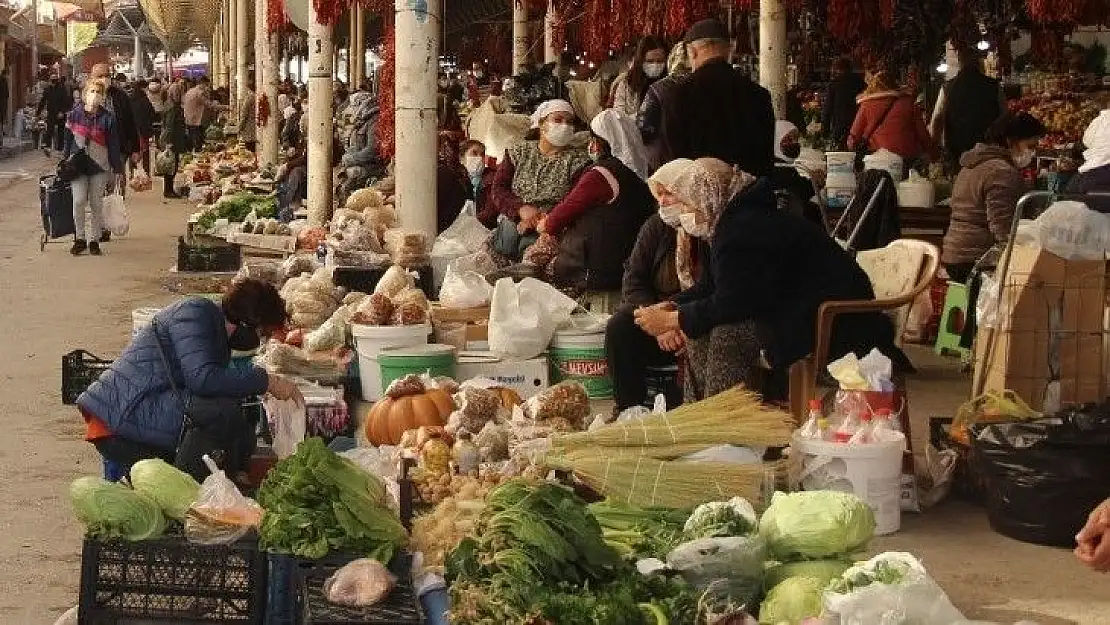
212 426
76 165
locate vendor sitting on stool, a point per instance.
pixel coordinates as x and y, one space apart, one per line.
136 411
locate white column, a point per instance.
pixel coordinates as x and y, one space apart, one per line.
772 52
359 47
415 106
265 54
233 47
137 61
520 36
319 120
242 49
550 54
214 57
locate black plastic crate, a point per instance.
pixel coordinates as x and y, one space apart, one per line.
208 257
169 579
79 370
364 279
401 607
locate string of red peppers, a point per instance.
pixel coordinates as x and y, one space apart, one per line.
276 18
619 20
387 117
597 29
262 113
329 11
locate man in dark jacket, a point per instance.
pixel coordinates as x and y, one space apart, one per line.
840 102
967 106
144 114
649 119
56 101
718 111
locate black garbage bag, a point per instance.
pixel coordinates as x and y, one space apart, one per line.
1046 475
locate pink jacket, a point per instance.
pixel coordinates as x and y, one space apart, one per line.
902 131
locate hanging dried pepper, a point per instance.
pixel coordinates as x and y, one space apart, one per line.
276 18
597 30
262 113
886 13
640 18
1055 11
657 12
387 116
744 5
620 20
329 11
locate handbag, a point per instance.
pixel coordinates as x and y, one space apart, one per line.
863 146
212 426
76 165
165 163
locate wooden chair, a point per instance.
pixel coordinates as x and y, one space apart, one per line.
899 273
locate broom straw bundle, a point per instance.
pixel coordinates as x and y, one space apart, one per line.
733 417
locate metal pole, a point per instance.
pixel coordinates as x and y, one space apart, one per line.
415 107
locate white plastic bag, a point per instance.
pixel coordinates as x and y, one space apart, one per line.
464 236
221 514
729 570
524 316
464 289
287 424
914 599
1069 230
363 582
116 217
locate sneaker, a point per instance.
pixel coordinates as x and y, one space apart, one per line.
94 248
105 236
78 248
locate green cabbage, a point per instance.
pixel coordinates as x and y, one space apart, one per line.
792 601
823 571
111 510
816 524
173 490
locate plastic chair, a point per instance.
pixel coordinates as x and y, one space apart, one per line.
803 375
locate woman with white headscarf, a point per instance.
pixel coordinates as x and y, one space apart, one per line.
1094 173
534 176
754 306
589 234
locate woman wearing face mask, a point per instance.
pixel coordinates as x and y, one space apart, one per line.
92 130
795 192
586 238
452 190
648 65
1094 173
754 306
480 177
650 276
534 176
135 411
986 192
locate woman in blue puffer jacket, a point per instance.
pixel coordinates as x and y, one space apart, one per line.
134 411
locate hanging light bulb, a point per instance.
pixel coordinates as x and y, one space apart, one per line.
983 45
942 68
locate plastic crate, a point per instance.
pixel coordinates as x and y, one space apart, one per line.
169 579
401 607
216 257
79 370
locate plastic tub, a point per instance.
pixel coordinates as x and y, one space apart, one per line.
841 163
140 318
885 160
371 340
581 357
873 471
435 360
841 188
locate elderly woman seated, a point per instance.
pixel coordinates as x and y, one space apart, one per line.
754 306
587 237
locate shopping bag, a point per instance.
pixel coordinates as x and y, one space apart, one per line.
140 181
164 163
464 289
523 317
116 217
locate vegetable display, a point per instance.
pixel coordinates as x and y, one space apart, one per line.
734 517
408 405
792 601
317 502
639 532
822 570
172 489
235 209
112 510
816 524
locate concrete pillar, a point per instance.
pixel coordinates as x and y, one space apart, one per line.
214 57
772 52
550 53
266 57
320 71
520 36
233 47
137 62
242 46
417 37
359 48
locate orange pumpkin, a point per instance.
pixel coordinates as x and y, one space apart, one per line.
391 417
509 397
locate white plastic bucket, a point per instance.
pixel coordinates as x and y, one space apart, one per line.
885 160
371 340
841 188
873 471
140 318
841 162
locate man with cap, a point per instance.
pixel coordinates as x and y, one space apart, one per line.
718 111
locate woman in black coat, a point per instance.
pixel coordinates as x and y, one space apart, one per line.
174 136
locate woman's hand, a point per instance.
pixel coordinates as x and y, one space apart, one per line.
657 321
1094 539
673 341
528 213
283 388
541 225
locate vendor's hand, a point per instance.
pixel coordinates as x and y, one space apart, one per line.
673 341
656 321
541 225
528 213
284 388
1094 539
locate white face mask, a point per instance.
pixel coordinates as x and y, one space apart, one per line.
654 70
1024 158
671 215
93 100
475 165
560 135
692 227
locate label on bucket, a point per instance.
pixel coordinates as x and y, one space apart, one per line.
587 366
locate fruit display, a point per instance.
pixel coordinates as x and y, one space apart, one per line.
1065 116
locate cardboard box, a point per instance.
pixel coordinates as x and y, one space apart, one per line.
526 377
1049 340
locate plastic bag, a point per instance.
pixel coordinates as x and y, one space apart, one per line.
393 281
1069 230
916 598
1044 476
987 303
221 514
990 407
164 163
116 216
524 316
464 289
360 583
140 181
287 424
331 335
729 570
464 236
